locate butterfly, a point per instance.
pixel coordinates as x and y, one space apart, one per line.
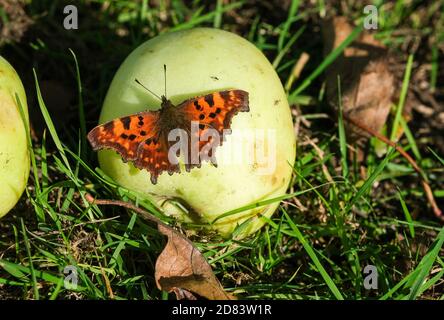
143 138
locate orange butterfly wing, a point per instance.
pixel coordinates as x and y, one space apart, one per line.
215 111
125 134
152 155
140 138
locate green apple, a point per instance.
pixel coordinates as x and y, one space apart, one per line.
14 155
202 61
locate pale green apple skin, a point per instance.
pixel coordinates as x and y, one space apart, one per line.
14 155
201 61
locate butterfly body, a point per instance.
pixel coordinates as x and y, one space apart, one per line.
144 138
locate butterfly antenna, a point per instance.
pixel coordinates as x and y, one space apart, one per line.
139 83
165 77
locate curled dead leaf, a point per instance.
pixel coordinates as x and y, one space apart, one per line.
367 84
368 87
182 266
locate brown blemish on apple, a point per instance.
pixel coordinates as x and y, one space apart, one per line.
273 180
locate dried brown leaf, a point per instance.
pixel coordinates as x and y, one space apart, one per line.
181 265
182 294
367 84
180 268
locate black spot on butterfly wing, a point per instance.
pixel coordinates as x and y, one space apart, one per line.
209 99
197 105
126 121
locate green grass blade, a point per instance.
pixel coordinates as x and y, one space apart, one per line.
121 245
44 167
328 280
265 202
402 97
410 139
287 47
49 122
81 109
206 17
342 138
368 183
39 212
434 71
31 266
425 266
284 33
45 276
436 156
398 286
57 290
407 215
431 282
326 62
218 16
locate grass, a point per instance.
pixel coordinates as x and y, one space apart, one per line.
332 222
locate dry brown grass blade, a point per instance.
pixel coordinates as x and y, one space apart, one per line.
180 268
105 278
